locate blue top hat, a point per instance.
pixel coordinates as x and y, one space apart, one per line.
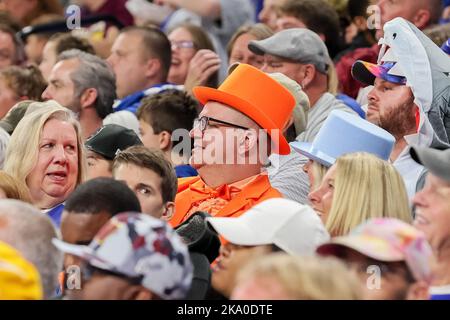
344 133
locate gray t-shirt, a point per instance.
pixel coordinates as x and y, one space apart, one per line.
319 113
287 176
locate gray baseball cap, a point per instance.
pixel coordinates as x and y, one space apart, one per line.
437 161
297 44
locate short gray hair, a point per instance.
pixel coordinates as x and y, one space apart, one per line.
93 72
31 233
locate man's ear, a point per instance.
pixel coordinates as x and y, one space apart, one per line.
289 123
422 18
88 97
418 291
169 209
152 68
323 37
309 71
165 141
360 23
247 141
137 292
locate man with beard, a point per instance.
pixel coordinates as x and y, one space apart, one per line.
391 107
85 84
410 95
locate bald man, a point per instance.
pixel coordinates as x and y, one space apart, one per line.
422 13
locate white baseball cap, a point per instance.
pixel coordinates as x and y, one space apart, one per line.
293 227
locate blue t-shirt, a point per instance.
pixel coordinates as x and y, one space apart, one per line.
55 214
440 293
351 103
133 101
185 171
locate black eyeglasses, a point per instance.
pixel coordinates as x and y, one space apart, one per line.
202 123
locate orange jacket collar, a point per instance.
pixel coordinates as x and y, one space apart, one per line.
249 195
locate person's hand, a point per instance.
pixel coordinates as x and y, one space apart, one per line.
145 12
205 8
172 3
203 65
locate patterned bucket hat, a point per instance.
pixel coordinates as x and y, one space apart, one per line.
139 246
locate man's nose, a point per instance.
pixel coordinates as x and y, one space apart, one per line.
46 94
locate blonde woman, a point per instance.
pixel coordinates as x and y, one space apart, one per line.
337 137
282 277
356 188
46 154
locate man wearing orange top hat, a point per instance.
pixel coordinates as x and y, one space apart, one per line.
239 127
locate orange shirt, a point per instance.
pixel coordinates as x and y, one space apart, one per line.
225 201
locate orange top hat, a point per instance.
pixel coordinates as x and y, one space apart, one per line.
259 97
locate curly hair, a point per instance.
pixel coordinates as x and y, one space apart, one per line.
24 81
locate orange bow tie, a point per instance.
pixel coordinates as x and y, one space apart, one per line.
225 191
